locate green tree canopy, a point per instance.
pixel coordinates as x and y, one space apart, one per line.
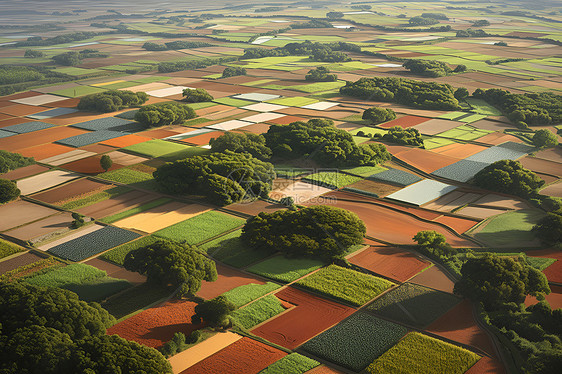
406 136
254 144
215 312
169 263
461 93
378 115
510 177
320 231
434 244
422 21
197 95
111 101
320 74
549 229
545 138
164 114
233 71
428 68
8 191
11 161
106 162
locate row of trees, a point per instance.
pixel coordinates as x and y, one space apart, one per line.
431 68
73 58
327 52
111 101
59 39
175 45
403 136
163 114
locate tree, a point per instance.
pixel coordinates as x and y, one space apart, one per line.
197 95
164 114
549 229
320 232
8 191
481 23
254 144
32 53
460 68
510 177
68 58
428 68
320 74
111 101
434 245
545 138
501 44
215 312
233 71
334 15
408 136
78 220
11 161
493 280
461 93
378 115
422 21
174 264
106 162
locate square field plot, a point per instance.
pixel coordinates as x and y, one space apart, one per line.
422 192
26 127
263 117
413 305
22 212
76 189
93 243
395 176
256 97
418 353
356 342
155 148
89 138
229 125
43 181
39 100
346 285
321 105
264 107
436 126
52 113
285 269
165 92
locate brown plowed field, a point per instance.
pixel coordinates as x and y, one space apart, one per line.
459 150
125 141
43 227
155 326
31 139
311 316
203 139
89 165
424 160
405 122
21 212
26 171
116 204
390 262
71 190
487 365
42 152
257 128
20 110
16 262
246 356
554 298
542 166
458 224
228 279
115 271
434 278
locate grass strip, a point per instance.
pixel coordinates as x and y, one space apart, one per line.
95 198
139 209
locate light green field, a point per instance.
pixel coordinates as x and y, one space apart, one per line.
285 269
294 101
78 91
155 148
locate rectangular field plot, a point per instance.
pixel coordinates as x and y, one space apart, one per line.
332 179
395 176
285 269
293 363
436 126
67 157
504 151
356 342
39 100
155 148
24 128
264 107
201 227
258 311
57 112
263 117
418 353
344 284
422 192
45 180
413 305
229 125
93 243
22 212
43 228
89 283
230 250
465 132
111 124
256 97
461 171
132 177
89 138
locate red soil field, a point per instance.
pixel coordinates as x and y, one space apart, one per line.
42 152
16 262
553 272
434 278
422 213
9 120
26 171
404 122
459 150
89 165
17 142
487 365
311 316
458 224
246 356
459 325
227 280
158 134
256 128
554 298
155 326
286 120
424 160
390 262
4 117
118 272
389 225
71 190
125 141
116 204
203 139
20 110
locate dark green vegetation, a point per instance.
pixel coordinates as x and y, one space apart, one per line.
177 44
319 140
224 178
426 95
8 249
378 115
215 312
111 101
8 191
510 177
169 67
169 263
31 53
51 329
106 162
75 58
405 136
15 78
233 71
545 138
164 114
320 74
232 251
180 342
292 363
35 41
197 95
525 109
117 255
285 269
257 312
253 144
549 229
422 21
321 231
11 161
325 52
431 68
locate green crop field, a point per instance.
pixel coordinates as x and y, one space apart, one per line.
134 299
247 293
8 249
190 151
332 179
78 91
95 198
413 304
344 284
364 171
418 353
232 102
90 283
285 269
117 254
257 312
355 342
482 107
200 228
294 101
131 177
318 86
137 210
465 132
155 148
293 363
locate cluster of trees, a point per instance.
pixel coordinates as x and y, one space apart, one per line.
253 144
233 71
11 161
501 44
405 136
15 78
172 264
439 16
508 176
328 52
312 24
179 343
544 138
52 331
32 53
481 23
197 95
320 74
224 178
320 232
432 68
268 9
469 33
422 21
427 95
75 58
334 15
549 228
59 39
163 114
17 74
111 101
214 312
319 140
170 67
178 44
8 191
525 109
378 115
